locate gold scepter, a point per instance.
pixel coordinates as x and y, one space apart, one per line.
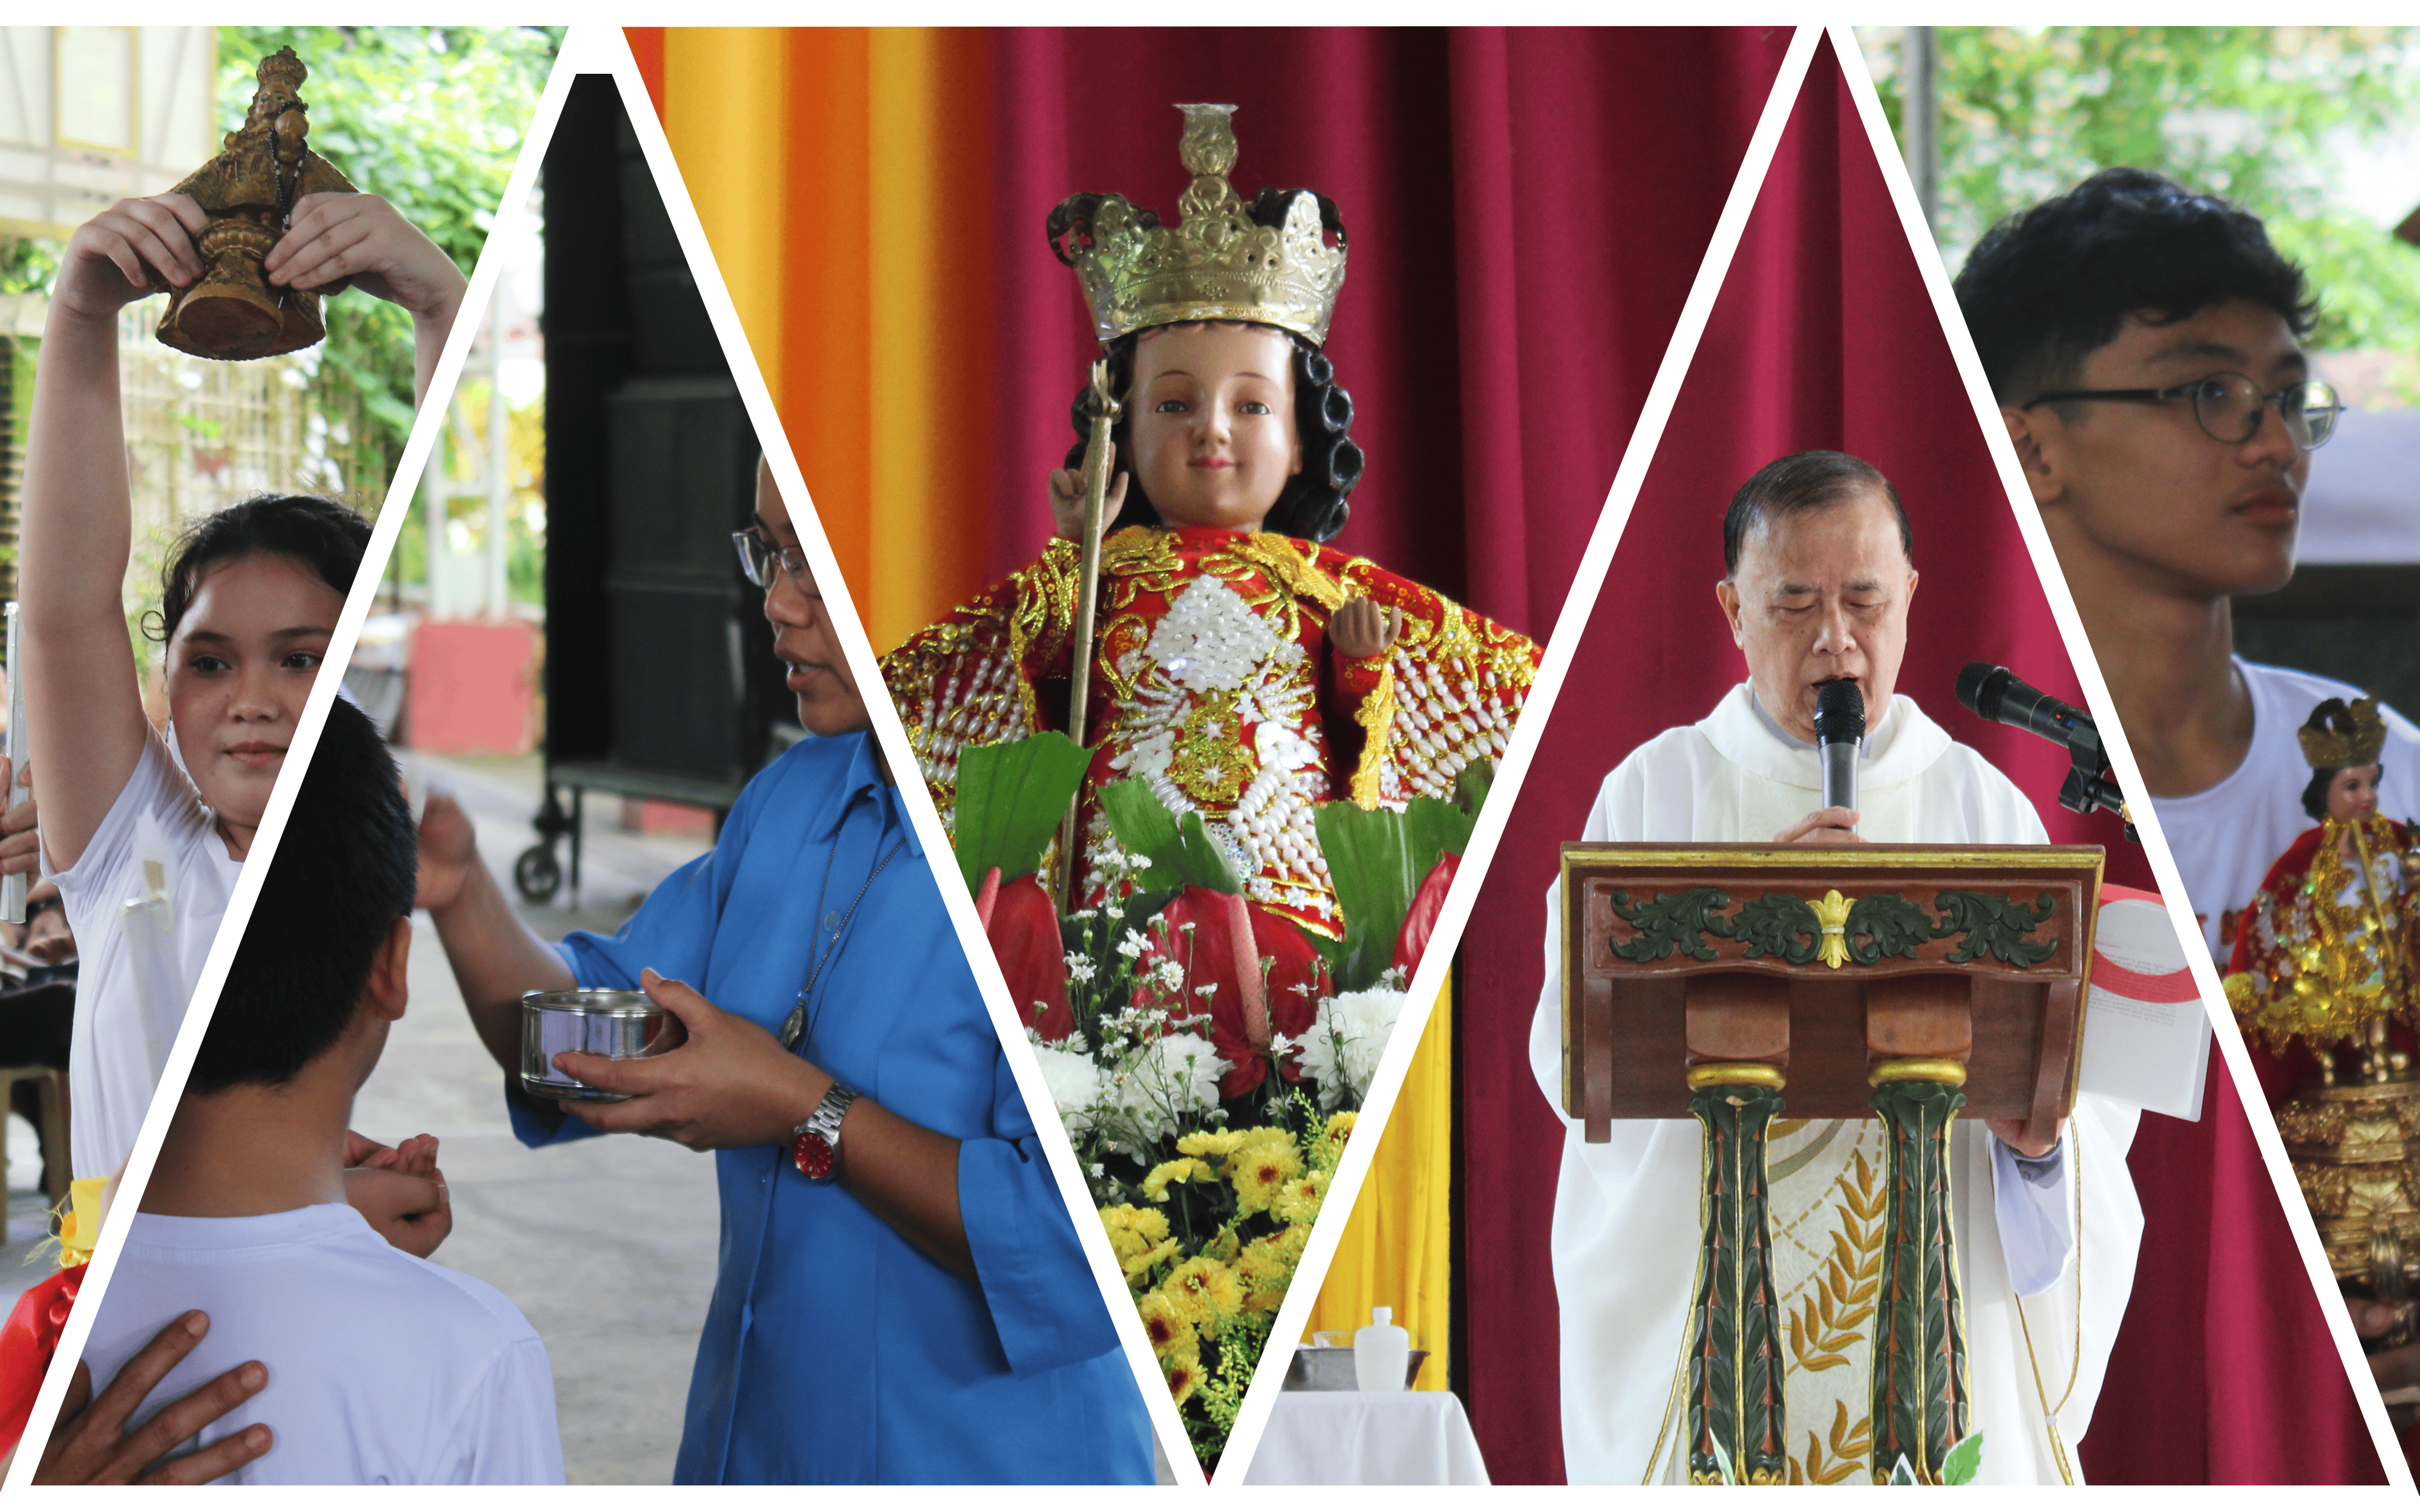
1105 410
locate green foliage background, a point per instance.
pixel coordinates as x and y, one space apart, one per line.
432 117
2246 111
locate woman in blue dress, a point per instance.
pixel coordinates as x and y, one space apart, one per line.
900 1295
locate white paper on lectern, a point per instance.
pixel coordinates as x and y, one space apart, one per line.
2145 1035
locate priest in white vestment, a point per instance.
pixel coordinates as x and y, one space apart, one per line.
1819 587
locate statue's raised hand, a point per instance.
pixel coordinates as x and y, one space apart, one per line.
1067 498
1359 628
134 248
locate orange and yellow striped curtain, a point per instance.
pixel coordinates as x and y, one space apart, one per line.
841 175
1398 1250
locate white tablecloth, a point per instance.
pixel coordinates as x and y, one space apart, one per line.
1364 1438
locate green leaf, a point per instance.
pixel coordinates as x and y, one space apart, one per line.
1965 1458
1180 850
1902 1474
1011 799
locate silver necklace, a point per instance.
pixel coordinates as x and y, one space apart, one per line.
800 1023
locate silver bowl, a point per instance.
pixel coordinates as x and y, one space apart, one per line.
593 1021
1318 1367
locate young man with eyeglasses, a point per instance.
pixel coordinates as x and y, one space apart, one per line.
2144 345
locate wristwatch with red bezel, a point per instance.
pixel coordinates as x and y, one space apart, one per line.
817 1149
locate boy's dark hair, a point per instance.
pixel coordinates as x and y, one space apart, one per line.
320 534
2048 286
343 873
1804 479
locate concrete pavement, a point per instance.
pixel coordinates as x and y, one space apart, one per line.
607 1246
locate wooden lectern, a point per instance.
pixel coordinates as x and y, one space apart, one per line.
1894 982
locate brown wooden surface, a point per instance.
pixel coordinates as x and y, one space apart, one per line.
1631 1037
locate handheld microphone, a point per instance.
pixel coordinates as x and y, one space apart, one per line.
1840 725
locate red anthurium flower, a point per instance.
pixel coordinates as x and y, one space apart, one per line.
1412 940
1229 940
1022 924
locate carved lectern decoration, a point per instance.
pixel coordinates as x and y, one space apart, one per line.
232 313
1903 983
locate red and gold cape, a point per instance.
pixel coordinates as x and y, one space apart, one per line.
1215 683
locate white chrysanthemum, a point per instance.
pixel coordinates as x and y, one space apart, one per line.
1075 1085
1341 1052
1171 1079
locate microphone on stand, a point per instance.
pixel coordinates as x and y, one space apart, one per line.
1840 726
2001 696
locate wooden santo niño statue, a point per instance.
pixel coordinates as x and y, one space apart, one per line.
232 313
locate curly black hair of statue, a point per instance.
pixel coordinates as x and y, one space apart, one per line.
1311 507
320 534
2333 717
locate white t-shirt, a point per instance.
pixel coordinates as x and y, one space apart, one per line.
383 1369
109 1060
2226 838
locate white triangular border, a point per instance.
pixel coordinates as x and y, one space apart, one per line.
2096 692
393 509
753 391
1571 625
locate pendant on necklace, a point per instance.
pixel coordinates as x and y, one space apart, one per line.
793 1025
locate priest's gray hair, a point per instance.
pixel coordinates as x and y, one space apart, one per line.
1804 479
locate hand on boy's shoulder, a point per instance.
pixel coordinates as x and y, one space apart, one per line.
399 1192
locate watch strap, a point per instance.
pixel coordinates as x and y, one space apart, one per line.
815 1145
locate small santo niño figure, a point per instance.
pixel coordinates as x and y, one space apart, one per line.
232 312
1245 671
2330 948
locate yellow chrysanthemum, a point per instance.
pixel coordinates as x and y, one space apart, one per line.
1148 1225
1133 1231
1201 1291
1261 1172
1340 1127
1171 1335
1155 1185
1184 1373
1140 1264
1215 1143
1266 1270
1298 1201
1267 1134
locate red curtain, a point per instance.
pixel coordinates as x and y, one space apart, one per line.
1825 336
1524 221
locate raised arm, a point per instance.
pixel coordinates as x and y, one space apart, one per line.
84 709
366 238
495 956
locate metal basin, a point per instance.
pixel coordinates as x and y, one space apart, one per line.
1317 1367
617 1023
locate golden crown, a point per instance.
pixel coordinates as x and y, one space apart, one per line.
2335 748
1217 263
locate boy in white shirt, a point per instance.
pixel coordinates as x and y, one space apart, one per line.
384 1368
2146 345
